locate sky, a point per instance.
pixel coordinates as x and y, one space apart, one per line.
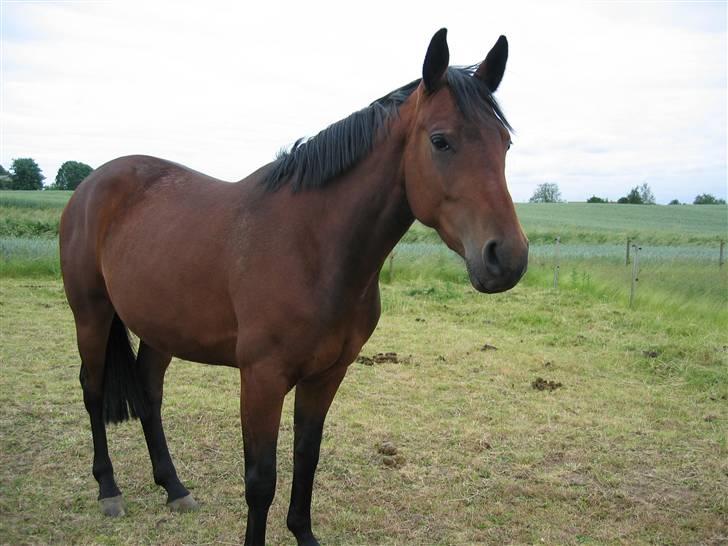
603 96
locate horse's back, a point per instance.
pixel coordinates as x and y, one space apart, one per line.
115 191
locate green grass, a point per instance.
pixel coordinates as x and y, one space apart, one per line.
29 257
578 223
631 450
31 213
603 223
34 199
672 280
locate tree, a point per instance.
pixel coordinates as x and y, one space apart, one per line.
639 195
71 174
634 197
623 201
595 199
26 174
648 198
6 181
546 193
707 199
674 202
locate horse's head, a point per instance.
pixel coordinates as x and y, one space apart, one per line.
454 166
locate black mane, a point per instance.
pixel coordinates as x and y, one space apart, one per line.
311 163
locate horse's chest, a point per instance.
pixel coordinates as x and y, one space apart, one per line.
340 342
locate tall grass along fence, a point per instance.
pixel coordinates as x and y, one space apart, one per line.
682 278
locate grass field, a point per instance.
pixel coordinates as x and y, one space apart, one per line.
613 223
632 448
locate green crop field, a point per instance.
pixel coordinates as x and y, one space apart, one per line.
603 223
541 415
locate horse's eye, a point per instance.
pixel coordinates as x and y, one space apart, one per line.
440 142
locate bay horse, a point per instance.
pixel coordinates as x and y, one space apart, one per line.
277 275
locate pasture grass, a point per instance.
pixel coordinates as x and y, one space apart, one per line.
630 449
29 221
612 224
31 213
52 199
29 257
672 280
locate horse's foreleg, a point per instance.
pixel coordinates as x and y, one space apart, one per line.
261 401
152 365
313 399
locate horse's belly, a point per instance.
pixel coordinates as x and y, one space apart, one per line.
177 303
183 328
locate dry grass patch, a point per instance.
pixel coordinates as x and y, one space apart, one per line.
622 452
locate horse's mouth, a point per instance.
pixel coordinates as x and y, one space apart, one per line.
487 284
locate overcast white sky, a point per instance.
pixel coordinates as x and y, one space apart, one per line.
603 95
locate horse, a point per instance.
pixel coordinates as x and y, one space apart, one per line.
278 274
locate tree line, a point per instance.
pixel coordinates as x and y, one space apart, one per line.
639 195
25 174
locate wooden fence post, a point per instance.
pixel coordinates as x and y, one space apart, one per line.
556 266
391 266
721 259
635 274
629 242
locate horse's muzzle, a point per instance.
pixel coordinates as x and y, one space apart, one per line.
498 267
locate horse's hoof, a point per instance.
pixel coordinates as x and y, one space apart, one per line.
307 540
112 506
183 504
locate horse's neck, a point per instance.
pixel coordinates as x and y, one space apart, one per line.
376 206
357 219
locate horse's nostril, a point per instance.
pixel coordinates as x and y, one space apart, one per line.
490 257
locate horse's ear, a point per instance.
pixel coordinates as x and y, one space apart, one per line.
436 61
492 68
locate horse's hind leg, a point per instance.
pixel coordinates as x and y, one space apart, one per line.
152 365
93 323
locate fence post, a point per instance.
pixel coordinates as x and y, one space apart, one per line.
721 259
391 266
629 242
635 274
556 266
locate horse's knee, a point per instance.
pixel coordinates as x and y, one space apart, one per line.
260 483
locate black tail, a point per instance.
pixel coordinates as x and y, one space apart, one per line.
123 389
